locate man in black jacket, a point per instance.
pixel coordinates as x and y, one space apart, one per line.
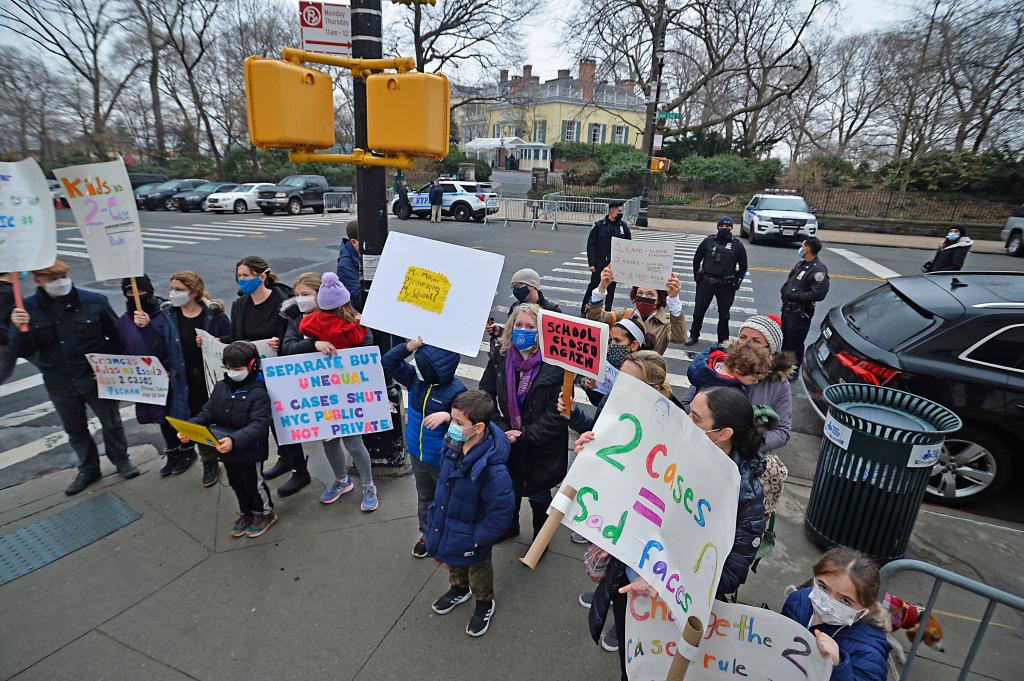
719 266
64 324
599 251
806 285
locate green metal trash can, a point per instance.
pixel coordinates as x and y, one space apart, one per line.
878 451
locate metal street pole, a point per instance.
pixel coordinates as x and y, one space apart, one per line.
386 448
651 125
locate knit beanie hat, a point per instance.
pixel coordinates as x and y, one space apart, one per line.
332 293
528 277
769 326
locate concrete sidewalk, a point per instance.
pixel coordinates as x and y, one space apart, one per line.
330 592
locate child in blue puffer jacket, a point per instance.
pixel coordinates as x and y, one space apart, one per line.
432 387
736 367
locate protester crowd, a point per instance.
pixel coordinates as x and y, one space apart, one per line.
475 454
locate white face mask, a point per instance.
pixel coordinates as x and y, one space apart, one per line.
237 374
58 287
178 298
305 303
831 611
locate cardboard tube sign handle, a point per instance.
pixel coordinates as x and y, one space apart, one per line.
540 544
18 300
567 390
691 636
135 295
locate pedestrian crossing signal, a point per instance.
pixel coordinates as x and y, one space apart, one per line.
660 164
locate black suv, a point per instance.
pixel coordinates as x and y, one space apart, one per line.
956 338
160 197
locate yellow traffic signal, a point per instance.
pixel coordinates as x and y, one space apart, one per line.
408 113
660 164
289 106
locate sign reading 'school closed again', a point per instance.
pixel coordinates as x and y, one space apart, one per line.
577 345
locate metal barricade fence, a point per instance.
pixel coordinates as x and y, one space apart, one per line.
338 201
563 211
940 575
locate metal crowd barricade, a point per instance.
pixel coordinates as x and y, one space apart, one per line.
534 211
941 575
338 201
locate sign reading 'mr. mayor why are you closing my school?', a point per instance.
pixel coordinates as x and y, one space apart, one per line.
320 397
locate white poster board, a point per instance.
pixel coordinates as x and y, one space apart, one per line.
28 225
739 641
131 378
642 263
213 357
433 289
318 397
575 344
654 492
101 199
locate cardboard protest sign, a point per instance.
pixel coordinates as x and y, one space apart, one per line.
28 226
654 492
738 641
604 386
131 378
433 289
319 397
642 263
101 199
575 344
194 431
213 357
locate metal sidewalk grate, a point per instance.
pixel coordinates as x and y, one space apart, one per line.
33 546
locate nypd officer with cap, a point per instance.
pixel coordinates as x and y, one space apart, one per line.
599 251
719 266
806 285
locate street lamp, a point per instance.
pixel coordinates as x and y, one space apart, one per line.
652 110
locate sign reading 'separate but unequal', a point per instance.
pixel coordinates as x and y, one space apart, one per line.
577 345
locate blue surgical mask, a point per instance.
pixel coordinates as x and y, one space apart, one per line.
800 253
249 286
521 292
457 432
953 236
524 339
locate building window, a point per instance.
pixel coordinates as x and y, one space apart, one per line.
544 154
620 134
496 130
571 131
596 135
540 131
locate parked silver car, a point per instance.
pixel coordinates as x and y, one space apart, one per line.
1013 233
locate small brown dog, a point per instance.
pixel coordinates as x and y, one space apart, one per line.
907 616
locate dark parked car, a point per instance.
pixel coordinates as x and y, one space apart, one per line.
139 179
294 194
142 191
161 196
956 338
193 198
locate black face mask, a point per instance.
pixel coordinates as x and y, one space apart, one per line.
148 300
724 234
617 354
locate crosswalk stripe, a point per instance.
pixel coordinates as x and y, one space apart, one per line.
160 239
182 231
587 281
682 266
21 384
52 441
144 244
73 254
245 228
27 414
581 291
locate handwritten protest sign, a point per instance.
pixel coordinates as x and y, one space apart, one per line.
654 492
28 229
577 345
131 378
738 641
642 263
319 397
101 199
433 289
213 357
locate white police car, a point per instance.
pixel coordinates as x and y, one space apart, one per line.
462 201
778 213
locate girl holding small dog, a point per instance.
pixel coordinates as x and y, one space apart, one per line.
841 608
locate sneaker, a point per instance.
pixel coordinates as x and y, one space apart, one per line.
81 481
457 595
420 549
481 618
127 470
186 457
334 492
210 473
293 484
170 461
610 641
261 524
242 523
277 470
577 538
586 599
369 498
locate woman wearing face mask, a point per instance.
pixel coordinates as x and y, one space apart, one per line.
624 338
190 308
841 608
526 391
951 253
659 313
727 419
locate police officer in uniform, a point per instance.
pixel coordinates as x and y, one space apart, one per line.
806 285
719 265
599 251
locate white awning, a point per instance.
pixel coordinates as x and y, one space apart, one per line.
491 143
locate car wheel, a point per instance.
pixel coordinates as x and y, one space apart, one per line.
294 207
241 206
267 211
168 205
403 212
462 213
973 466
1015 244
753 235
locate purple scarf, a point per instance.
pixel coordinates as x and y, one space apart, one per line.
514 363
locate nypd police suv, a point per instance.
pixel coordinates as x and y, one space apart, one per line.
778 213
462 201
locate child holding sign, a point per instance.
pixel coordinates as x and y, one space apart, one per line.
240 407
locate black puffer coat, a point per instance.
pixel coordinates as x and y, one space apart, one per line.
540 457
241 411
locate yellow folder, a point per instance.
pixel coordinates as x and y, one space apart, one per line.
193 431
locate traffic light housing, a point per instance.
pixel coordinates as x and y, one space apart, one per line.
289 106
660 164
408 113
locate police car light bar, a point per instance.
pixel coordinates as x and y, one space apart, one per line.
778 190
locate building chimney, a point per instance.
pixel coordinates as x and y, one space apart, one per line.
588 69
563 73
502 75
628 85
527 71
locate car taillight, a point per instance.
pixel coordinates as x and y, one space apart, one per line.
868 371
479 197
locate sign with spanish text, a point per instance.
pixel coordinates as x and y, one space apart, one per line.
433 289
575 344
101 199
739 641
326 27
643 263
320 397
130 378
213 357
28 225
653 491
